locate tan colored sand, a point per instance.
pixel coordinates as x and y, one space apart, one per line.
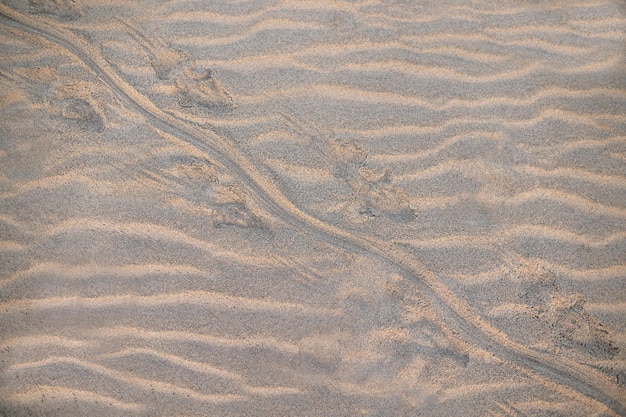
312 208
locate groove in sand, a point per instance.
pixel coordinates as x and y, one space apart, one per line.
58 394
126 379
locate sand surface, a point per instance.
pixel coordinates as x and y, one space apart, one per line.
324 208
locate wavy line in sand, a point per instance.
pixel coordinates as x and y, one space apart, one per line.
557 149
383 133
126 333
46 341
55 181
550 233
568 199
19 38
536 30
391 22
75 272
153 232
447 143
12 223
447 38
619 156
205 298
334 51
578 174
589 275
458 52
417 71
546 114
298 59
247 18
453 122
618 309
475 390
8 246
126 379
588 385
25 59
601 23
409 40
58 394
95 339
339 92
514 232
194 366
478 169
199 15
202 367
515 9
545 46
536 195
244 24
280 25
512 10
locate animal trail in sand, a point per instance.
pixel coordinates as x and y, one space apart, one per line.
196 86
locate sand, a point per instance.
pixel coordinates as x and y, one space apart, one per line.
325 208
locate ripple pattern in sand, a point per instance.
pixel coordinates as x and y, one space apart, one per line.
131 285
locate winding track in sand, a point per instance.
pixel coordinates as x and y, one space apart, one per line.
457 315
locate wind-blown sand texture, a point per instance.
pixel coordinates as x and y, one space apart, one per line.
325 208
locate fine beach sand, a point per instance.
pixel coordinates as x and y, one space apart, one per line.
323 208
